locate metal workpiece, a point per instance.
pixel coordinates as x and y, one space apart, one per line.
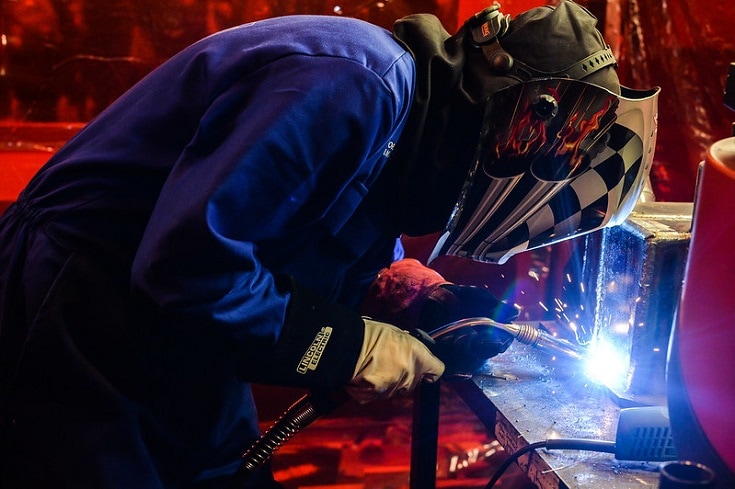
523 397
634 274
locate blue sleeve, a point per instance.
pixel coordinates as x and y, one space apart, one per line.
273 152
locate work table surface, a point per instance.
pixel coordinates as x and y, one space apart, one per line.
524 396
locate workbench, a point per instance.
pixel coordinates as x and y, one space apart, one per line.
523 396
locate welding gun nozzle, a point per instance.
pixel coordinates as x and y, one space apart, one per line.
525 333
540 339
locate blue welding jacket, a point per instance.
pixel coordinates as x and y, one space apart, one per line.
194 237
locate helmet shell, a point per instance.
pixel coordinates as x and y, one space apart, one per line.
557 158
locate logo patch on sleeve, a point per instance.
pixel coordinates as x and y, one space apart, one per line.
313 354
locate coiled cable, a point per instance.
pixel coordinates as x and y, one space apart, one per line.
298 416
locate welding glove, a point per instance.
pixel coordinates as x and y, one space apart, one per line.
391 362
465 350
411 295
399 292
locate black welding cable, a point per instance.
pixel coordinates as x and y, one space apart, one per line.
512 458
560 444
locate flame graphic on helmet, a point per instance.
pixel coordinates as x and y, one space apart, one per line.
528 135
572 136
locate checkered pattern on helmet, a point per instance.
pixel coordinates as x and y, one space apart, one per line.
584 204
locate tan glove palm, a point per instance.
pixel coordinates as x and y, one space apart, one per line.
391 362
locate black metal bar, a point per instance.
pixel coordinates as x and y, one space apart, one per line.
425 436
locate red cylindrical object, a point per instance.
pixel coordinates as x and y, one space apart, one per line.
701 368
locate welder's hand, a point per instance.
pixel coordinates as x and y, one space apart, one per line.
391 362
466 350
399 292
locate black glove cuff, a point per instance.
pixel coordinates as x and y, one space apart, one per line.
452 302
319 345
466 349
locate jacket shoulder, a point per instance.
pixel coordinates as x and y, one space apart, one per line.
309 35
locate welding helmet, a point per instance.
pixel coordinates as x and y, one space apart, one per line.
557 157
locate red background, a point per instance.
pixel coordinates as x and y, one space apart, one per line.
95 49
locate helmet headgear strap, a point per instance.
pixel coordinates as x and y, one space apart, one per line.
490 25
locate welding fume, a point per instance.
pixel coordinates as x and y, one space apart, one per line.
236 216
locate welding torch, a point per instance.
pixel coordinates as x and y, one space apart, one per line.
522 332
313 405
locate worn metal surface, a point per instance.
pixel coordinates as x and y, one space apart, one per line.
525 397
635 278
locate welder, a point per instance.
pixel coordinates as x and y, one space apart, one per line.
232 218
